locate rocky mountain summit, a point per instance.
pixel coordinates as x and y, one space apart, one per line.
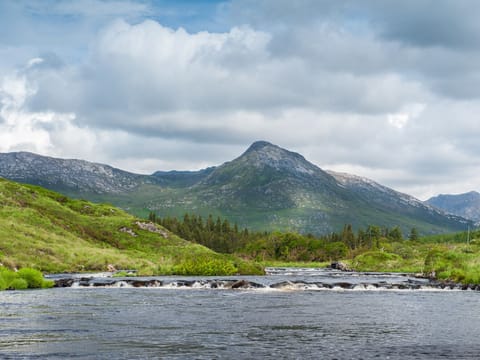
265 188
466 205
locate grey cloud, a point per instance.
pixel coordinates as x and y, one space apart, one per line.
435 42
425 23
446 23
324 77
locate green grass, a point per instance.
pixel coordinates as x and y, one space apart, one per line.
23 279
296 264
457 262
46 231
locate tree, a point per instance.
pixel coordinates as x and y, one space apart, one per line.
395 234
152 216
413 234
348 237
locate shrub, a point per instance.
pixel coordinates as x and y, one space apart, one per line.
33 277
18 284
205 266
3 283
8 276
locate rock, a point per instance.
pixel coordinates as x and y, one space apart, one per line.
338 265
144 283
60 283
240 284
343 285
128 231
151 227
111 268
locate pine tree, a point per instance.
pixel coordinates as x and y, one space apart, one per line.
413 234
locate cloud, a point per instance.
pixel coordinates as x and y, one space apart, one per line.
346 84
173 83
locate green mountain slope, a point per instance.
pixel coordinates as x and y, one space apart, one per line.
52 233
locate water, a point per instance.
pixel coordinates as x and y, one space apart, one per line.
260 323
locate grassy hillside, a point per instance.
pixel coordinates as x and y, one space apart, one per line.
52 233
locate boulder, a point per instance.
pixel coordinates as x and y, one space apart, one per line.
338 265
65 282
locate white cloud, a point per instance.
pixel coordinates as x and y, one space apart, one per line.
401 119
44 132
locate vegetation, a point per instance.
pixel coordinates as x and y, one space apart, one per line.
43 231
447 257
219 235
23 279
49 232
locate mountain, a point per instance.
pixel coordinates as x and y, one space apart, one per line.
465 205
68 175
53 233
265 188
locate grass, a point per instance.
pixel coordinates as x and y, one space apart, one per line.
49 232
457 262
296 264
23 279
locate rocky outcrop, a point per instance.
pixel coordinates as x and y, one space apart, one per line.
151 227
128 231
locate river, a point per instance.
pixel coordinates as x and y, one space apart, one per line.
292 321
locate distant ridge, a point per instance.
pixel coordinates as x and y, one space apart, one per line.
466 205
265 188
67 174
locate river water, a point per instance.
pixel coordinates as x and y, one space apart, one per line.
173 321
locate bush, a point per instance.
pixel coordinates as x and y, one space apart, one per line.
17 280
205 266
33 277
18 284
3 283
7 275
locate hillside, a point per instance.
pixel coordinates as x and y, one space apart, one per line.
266 188
465 205
52 233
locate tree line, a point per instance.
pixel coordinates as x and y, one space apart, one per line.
224 237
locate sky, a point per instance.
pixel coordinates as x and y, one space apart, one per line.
388 90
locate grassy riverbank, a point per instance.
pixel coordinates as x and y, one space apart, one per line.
443 259
44 230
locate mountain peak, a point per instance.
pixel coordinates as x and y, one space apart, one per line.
263 153
259 145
